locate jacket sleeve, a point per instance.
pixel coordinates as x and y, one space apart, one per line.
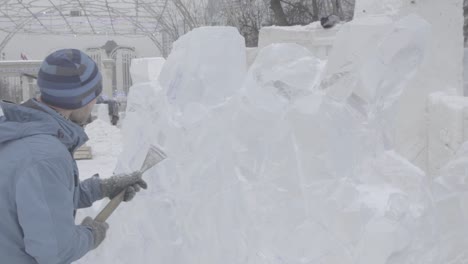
44 198
89 192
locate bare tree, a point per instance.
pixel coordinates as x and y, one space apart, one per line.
248 16
280 16
301 12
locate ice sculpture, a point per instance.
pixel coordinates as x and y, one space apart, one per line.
286 164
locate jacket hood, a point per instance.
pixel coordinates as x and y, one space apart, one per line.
35 118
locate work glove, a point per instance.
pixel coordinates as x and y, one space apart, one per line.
131 183
99 230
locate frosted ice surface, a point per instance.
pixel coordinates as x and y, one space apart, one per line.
372 61
206 66
146 69
141 114
450 196
273 166
281 75
376 60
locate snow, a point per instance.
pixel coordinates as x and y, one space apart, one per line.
311 26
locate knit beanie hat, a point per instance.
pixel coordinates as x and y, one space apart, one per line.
69 79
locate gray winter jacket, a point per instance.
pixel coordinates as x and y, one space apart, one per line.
39 187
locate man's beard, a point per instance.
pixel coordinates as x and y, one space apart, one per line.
80 118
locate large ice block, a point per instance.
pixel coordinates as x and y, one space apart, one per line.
206 66
441 69
373 60
450 192
281 75
174 221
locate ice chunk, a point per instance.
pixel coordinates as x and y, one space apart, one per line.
281 75
439 71
146 69
450 196
372 62
376 60
144 106
314 37
446 128
251 55
206 66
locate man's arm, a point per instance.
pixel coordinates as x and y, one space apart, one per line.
89 192
94 188
45 212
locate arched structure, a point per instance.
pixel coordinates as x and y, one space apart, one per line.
82 17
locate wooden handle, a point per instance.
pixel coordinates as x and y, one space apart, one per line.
110 208
153 157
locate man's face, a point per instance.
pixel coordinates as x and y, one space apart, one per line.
82 115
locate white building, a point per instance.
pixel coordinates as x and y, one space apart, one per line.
114 63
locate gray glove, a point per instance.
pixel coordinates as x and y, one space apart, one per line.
131 183
99 230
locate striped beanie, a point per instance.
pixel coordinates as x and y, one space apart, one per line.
69 79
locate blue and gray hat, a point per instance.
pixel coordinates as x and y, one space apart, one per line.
69 79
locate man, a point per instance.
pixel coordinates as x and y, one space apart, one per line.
113 107
39 185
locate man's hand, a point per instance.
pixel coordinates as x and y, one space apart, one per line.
99 230
131 183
